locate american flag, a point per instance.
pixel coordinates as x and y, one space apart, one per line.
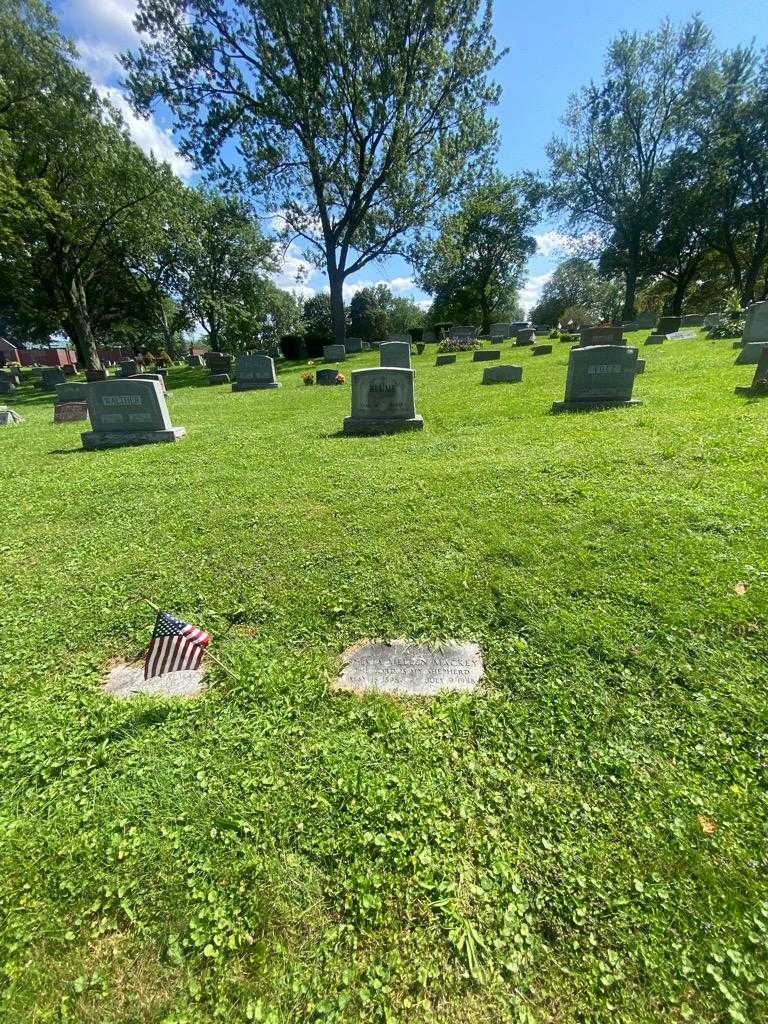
175 646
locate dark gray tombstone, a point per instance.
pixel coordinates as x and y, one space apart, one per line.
655 339
218 378
195 361
7 387
255 372
486 355
219 363
127 411
382 402
601 336
599 377
640 366
353 345
446 359
759 385
327 377
395 353
94 375
77 391
505 374
334 353
525 336
668 325
542 350
750 354
50 376
692 320
128 368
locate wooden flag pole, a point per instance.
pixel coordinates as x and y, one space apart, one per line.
207 654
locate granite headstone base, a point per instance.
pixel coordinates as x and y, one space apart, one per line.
381 425
94 440
594 404
218 378
750 353
255 385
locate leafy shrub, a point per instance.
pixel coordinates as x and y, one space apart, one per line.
731 328
458 345
314 344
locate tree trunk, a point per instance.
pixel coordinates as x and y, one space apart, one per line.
630 277
485 313
336 282
80 325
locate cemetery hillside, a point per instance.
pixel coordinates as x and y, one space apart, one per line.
383 634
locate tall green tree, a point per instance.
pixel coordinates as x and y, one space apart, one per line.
477 257
577 287
353 121
73 177
608 170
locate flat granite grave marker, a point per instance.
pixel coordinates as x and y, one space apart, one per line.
395 353
407 669
692 320
382 402
655 339
485 355
128 412
126 681
542 350
681 336
506 374
445 359
599 377
759 385
334 353
255 372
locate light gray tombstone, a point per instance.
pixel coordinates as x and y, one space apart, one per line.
353 345
50 376
382 402
395 353
485 355
9 417
681 336
152 376
127 411
599 376
334 353
445 359
255 372
401 667
505 374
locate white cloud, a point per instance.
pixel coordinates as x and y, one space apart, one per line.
109 21
147 133
530 293
395 285
556 242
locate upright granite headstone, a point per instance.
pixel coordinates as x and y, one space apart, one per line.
755 333
382 402
655 339
7 387
50 376
601 336
485 355
327 377
193 361
77 391
353 345
599 376
219 364
128 367
255 373
759 385
334 353
751 353
506 374
668 325
692 320
94 375
645 320
500 331
395 353
127 411
464 333
525 336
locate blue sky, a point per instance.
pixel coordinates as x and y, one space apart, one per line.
554 48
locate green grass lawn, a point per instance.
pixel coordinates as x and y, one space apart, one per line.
273 852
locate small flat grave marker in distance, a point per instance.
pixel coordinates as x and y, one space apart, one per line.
505 374
486 355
